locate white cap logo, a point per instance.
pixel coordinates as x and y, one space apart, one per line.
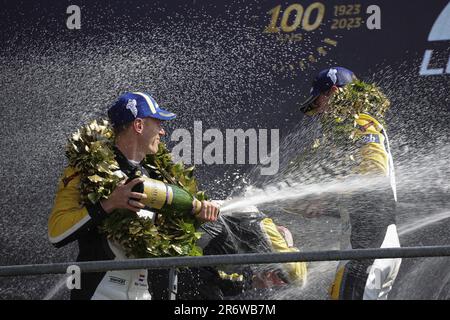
131 105
332 75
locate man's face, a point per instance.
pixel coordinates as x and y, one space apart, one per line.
151 134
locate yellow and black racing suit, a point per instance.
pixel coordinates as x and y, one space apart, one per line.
368 215
70 221
355 155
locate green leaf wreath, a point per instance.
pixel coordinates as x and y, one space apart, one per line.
90 151
359 97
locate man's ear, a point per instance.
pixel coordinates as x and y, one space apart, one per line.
138 125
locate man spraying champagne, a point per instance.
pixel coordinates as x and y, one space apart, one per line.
90 196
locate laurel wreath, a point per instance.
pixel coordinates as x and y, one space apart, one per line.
90 151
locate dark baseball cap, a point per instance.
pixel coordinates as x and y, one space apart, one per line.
335 76
132 105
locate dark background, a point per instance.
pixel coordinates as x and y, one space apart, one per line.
204 61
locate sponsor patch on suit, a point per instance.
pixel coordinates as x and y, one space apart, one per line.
371 138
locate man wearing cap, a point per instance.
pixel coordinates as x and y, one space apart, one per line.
137 123
367 216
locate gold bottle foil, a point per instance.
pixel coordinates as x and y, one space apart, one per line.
157 193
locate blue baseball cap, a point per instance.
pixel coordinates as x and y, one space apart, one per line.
132 105
335 76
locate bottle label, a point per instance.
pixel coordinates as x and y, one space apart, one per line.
157 193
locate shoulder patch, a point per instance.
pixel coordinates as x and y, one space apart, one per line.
370 138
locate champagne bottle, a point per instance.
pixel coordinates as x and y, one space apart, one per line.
167 197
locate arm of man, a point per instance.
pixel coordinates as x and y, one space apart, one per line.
371 210
68 219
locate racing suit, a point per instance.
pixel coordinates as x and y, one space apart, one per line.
69 221
240 232
368 217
